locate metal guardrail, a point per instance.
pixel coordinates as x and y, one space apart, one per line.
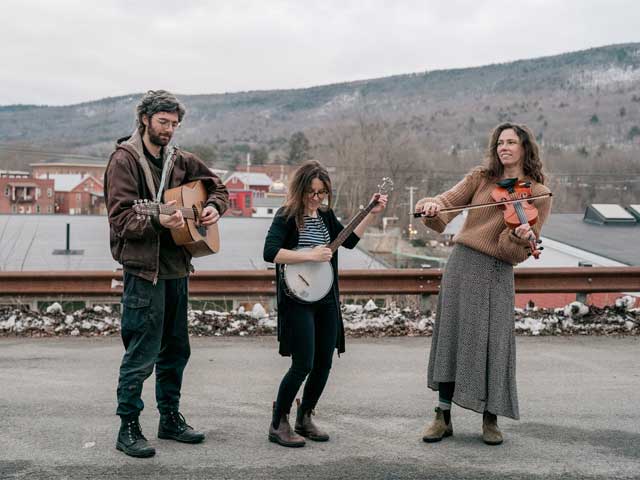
352 282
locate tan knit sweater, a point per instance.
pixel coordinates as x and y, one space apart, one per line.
484 229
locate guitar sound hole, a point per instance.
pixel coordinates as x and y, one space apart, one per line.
202 230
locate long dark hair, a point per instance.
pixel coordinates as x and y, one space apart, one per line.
531 165
299 187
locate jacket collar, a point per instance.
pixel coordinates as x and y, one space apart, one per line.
134 145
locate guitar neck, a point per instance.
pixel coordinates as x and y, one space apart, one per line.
355 221
171 209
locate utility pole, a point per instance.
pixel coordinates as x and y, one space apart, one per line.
411 230
248 162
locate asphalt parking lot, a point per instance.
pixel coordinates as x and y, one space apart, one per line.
579 402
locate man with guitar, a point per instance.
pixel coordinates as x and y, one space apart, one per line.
156 270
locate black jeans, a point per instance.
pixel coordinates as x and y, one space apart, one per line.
314 335
154 333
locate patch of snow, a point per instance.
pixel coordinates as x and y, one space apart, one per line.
370 306
605 76
626 303
54 308
258 311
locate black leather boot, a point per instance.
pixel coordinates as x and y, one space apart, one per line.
131 440
173 426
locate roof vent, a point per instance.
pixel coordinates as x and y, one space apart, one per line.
608 214
635 211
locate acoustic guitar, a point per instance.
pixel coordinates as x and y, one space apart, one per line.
190 197
308 282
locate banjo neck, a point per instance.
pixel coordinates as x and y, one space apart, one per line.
355 221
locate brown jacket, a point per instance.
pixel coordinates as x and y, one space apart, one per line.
135 241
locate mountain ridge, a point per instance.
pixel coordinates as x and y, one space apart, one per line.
580 99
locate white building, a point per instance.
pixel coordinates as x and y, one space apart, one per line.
266 207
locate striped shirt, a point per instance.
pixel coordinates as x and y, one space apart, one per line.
313 233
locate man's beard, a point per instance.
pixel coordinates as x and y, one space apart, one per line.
159 139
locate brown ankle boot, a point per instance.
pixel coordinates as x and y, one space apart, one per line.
490 432
283 434
306 427
438 429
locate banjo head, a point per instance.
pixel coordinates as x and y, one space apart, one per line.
309 281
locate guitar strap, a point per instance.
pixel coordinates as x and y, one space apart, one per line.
136 142
166 168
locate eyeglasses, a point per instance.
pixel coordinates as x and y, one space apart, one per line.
319 194
164 123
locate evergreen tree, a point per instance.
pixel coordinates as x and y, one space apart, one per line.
299 149
259 156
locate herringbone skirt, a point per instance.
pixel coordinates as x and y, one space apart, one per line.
473 341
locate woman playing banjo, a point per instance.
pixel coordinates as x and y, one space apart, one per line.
308 331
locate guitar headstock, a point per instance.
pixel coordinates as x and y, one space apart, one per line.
385 186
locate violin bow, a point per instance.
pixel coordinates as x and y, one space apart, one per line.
482 205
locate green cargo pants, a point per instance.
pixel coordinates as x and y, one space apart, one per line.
154 333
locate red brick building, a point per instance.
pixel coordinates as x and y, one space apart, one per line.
23 194
276 172
40 170
78 195
243 187
240 203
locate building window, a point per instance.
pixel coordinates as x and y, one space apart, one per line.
7 191
270 211
49 209
78 196
247 201
49 192
37 208
14 209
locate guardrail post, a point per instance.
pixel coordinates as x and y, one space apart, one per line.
582 296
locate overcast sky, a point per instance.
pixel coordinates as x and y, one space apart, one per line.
68 51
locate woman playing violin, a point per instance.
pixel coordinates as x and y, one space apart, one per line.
472 361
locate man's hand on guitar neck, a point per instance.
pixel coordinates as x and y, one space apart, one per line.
174 220
209 216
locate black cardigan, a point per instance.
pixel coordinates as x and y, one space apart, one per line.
283 233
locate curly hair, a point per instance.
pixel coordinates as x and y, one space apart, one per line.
532 165
155 101
299 187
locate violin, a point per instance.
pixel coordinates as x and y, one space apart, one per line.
517 213
515 198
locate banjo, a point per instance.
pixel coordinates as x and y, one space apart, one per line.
309 282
